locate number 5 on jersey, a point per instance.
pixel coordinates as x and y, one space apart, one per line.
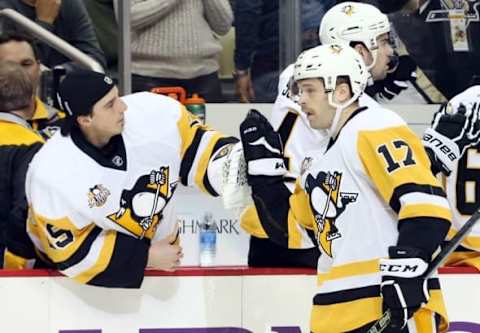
396 154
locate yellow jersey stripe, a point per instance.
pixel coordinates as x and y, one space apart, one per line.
57 253
201 168
353 269
103 259
325 318
250 222
422 210
471 242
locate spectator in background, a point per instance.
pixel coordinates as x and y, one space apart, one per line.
444 46
68 20
174 44
102 13
18 144
20 48
256 50
312 13
257 45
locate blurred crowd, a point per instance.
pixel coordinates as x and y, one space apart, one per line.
228 51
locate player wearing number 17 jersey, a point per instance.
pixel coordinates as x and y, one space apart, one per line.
364 27
369 197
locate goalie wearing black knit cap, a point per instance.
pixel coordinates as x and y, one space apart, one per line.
78 92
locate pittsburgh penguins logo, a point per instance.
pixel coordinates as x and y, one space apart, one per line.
141 207
306 164
327 203
348 10
336 49
97 196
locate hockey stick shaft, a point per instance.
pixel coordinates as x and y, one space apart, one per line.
384 321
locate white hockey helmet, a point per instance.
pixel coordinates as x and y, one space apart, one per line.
354 22
329 62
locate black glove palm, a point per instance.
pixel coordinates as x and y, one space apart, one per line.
263 149
396 81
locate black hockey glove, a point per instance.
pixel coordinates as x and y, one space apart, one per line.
263 149
451 133
403 288
404 71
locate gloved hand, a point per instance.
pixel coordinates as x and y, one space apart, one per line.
404 71
403 287
452 132
262 148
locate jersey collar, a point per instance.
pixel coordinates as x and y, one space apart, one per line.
112 156
355 113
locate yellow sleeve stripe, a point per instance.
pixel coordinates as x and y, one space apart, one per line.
103 258
300 209
55 253
250 222
294 236
201 168
424 210
188 126
353 269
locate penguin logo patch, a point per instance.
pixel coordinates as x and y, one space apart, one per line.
348 10
97 196
306 164
141 207
327 203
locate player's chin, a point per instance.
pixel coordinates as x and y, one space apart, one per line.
121 126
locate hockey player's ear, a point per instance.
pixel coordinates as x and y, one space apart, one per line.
84 120
342 92
364 52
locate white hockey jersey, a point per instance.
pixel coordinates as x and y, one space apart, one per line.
298 138
93 216
355 196
463 191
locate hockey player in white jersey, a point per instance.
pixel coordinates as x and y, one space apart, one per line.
458 160
364 27
99 191
377 212
285 243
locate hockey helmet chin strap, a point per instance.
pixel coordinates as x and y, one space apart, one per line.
339 110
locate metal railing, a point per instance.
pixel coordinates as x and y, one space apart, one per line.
52 40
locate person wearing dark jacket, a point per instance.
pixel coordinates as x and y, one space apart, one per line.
18 143
68 20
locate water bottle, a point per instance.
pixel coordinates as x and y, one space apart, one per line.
196 105
207 241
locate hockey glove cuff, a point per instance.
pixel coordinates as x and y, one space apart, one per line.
446 152
403 287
